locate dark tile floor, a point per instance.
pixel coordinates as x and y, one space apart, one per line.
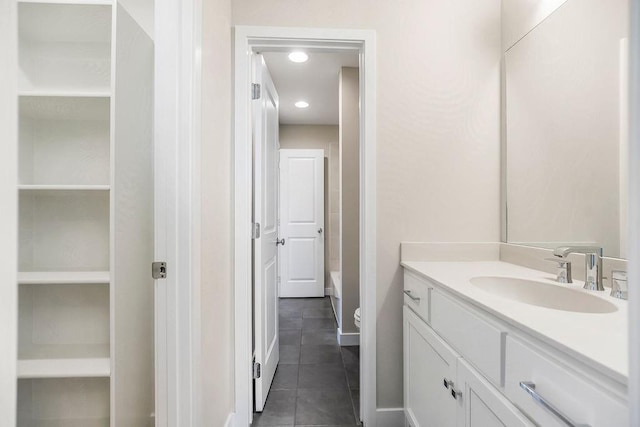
317 382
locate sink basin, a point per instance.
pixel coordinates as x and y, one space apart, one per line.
543 294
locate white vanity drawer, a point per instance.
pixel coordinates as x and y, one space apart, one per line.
416 295
478 341
574 396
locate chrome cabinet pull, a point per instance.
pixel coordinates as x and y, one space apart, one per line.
280 242
410 295
455 393
447 383
530 388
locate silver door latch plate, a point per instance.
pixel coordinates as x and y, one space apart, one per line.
159 270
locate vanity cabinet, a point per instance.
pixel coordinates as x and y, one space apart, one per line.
464 367
481 404
442 389
582 401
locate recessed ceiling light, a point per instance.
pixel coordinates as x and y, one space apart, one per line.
302 104
298 56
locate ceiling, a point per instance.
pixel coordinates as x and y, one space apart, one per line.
314 81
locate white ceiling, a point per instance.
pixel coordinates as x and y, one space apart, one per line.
314 81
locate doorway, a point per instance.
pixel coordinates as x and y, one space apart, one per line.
249 41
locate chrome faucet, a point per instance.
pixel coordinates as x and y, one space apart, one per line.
593 264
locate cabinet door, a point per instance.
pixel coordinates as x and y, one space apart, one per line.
428 363
482 405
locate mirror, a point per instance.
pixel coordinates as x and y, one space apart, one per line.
566 121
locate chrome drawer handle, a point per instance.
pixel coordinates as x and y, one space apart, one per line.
410 295
530 388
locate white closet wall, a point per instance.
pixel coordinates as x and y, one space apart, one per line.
85 185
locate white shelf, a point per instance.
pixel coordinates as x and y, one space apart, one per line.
72 188
65 93
64 368
76 422
75 2
63 277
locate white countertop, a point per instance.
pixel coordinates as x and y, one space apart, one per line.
599 340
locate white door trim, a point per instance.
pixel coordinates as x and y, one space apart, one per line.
8 210
634 213
246 40
177 110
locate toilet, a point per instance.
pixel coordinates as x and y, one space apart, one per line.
356 317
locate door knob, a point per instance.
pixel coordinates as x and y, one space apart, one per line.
320 230
280 242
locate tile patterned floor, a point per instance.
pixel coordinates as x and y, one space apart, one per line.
317 382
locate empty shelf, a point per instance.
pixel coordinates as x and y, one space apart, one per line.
64 368
35 187
62 277
64 93
68 422
75 2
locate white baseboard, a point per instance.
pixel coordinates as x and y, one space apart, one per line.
229 422
348 338
390 417
328 292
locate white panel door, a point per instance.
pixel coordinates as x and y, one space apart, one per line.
302 223
265 212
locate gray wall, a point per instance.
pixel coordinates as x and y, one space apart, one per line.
350 194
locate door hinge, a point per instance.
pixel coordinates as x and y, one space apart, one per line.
255 91
257 370
159 270
278 280
255 230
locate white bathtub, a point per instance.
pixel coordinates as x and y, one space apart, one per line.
336 297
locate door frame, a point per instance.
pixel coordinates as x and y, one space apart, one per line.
634 212
177 201
248 39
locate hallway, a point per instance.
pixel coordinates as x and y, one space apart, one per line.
317 382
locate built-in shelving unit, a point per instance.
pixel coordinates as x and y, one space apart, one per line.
85 187
65 173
